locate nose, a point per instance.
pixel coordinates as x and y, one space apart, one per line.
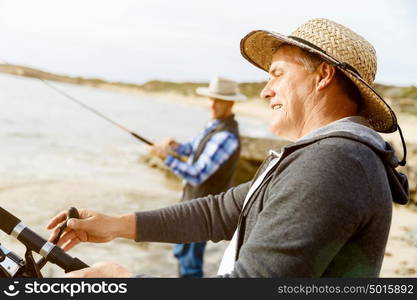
267 93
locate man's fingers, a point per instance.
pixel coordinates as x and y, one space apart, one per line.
55 233
79 224
67 236
68 241
62 216
71 244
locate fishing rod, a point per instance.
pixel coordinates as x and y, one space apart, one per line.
61 92
12 265
134 134
97 113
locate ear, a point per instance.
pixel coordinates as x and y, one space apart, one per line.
326 74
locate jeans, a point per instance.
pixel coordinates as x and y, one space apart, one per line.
190 258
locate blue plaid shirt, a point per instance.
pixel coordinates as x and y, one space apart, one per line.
217 150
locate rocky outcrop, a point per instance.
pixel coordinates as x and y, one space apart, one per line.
253 152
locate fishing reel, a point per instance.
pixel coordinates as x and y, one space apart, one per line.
13 266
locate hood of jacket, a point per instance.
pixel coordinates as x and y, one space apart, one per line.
356 128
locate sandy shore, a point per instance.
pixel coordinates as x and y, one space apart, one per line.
255 108
401 252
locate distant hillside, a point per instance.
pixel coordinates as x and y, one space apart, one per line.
403 99
31 72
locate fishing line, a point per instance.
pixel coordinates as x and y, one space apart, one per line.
66 95
48 84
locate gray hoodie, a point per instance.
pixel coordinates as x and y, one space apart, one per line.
323 211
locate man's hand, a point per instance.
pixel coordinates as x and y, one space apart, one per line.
92 227
101 270
163 148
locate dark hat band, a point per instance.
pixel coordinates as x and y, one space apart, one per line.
342 65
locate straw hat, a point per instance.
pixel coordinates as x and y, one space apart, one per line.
336 44
223 89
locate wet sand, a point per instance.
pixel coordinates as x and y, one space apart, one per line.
401 251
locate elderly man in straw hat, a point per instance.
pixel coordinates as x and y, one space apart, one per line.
321 206
211 160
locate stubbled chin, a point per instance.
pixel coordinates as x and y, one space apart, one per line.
274 128
277 125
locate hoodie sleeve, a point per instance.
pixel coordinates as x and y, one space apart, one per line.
209 218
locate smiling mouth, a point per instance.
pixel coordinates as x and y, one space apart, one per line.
276 107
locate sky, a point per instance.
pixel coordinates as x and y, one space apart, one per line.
140 40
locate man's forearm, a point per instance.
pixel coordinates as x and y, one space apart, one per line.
208 218
125 226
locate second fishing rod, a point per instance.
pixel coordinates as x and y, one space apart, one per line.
96 112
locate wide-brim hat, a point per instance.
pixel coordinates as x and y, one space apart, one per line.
337 45
223 89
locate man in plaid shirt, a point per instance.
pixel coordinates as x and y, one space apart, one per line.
218 149
206 163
